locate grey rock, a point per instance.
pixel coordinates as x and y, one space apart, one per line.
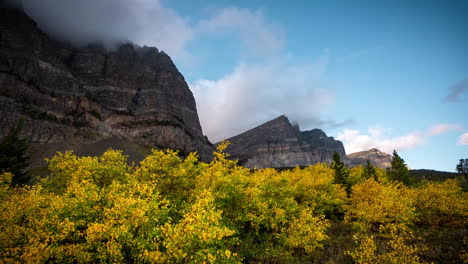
278 144
375 156
85 95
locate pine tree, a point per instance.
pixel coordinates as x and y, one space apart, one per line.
13 154
398 170
462 167
341 172
369 171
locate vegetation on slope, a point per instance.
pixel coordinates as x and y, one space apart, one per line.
173 210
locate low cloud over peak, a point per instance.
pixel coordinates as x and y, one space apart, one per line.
355 141
377 137
264 85
110 22
252 94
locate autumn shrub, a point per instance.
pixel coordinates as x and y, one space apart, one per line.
169 209
383 215
103 170
442 204
165 210
313 186
374 204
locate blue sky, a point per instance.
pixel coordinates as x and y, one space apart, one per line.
388 66
385 74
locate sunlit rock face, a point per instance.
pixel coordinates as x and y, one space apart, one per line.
84 95
375 156
278 144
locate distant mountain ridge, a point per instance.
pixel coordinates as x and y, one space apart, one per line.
375 156
278 144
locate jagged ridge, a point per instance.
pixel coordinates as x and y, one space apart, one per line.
73 96
278 144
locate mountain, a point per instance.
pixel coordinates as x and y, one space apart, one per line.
278 144
71 98
375 156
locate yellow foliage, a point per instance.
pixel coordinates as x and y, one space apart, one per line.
173 210
199 237
393 247
313 186
5 184
307 231
374 204
440 204
382 215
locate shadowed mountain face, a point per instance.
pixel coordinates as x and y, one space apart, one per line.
277 143
76 96
375 156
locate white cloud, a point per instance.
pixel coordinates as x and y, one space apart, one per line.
257 92
149 22
463 139
259 36
253 94
376 138
144 22
263 87
354 141
443 128
377 131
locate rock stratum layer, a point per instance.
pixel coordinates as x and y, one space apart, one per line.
77 96
375 156
279 144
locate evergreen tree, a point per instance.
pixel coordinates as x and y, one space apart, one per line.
13 156
462 167
341 172
369 171
398 170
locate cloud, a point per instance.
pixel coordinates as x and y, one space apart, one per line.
266 86
259 36
457 91
144 22
377 131
443 128
260 90
463 139
354 141
377 137
252 94
148 22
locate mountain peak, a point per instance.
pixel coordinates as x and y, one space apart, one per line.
278 143
280 120
375 156
74 96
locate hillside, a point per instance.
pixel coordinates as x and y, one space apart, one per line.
72 97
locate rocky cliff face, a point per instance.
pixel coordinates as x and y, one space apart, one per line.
85 95
375 156
277 144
